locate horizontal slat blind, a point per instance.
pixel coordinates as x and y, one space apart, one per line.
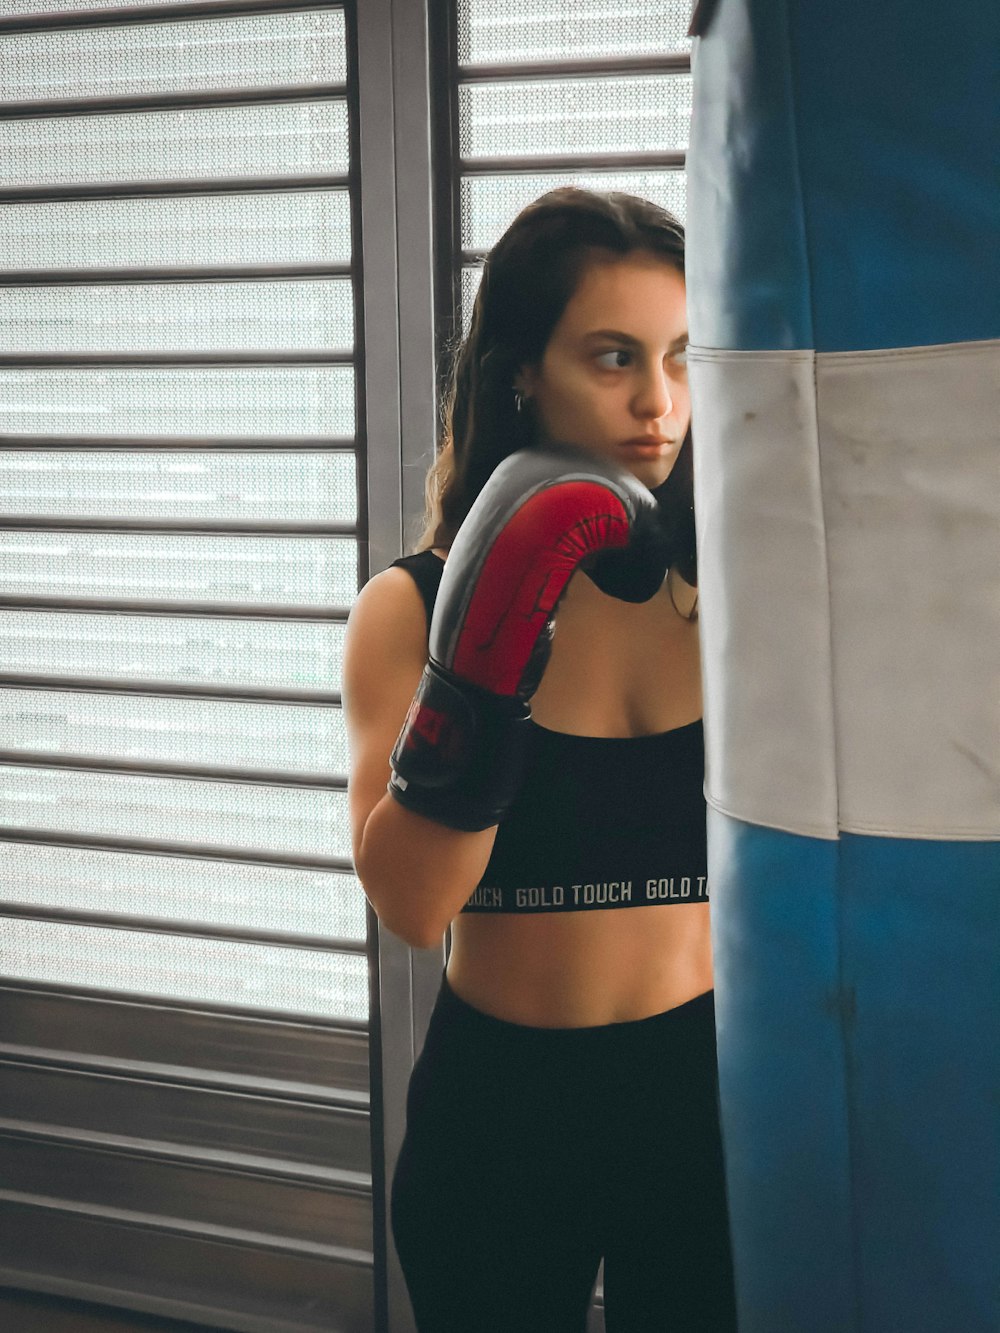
267 736
231 655
281 139
593 93
225 402
241 487
488 203
242 51
283 227
184 968
178 317
32 8
247 818
183 972
557 117
223 895
588 93
204 568
491 32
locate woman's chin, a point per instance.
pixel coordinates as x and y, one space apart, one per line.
652 472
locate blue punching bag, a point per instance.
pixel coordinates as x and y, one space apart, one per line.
843 268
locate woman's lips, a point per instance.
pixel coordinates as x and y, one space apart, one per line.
646 446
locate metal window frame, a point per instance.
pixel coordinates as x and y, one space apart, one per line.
394 120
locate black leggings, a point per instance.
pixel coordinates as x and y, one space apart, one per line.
532 1153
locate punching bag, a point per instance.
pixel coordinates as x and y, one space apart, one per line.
844 310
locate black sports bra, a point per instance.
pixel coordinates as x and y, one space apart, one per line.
600 822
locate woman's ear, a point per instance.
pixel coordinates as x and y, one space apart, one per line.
524 381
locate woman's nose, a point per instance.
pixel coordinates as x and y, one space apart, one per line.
654 398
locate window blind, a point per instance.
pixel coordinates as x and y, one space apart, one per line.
593 93
183 971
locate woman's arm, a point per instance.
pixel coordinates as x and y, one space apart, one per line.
417 874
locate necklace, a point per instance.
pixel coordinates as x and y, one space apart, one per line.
693 613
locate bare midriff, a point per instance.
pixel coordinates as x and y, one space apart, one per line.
582 969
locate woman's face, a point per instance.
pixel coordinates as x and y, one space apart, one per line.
613 377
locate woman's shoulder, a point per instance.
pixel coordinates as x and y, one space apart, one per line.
389 602
394 607
385 645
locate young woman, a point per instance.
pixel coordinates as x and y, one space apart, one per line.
564 1108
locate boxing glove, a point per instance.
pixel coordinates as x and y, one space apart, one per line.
543 513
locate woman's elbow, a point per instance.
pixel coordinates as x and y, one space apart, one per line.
421 935
413 919
417 930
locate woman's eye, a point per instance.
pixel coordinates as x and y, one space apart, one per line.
616 360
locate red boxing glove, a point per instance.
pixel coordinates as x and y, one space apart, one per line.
543 513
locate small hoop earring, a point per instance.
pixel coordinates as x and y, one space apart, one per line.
518 401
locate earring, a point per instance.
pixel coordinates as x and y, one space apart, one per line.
518 401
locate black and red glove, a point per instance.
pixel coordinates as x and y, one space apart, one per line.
543 513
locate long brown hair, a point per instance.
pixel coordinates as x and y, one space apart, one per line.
528 279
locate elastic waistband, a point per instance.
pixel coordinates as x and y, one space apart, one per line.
452 1013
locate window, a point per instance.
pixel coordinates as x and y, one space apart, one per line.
218 361
594 93
182 939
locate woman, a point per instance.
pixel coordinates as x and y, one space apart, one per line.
564 1107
